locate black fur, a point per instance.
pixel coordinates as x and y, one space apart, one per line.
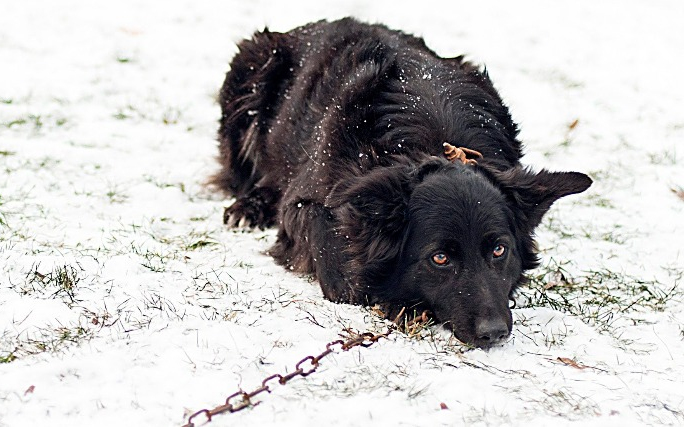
334 132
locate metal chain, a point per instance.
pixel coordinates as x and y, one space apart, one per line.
308 365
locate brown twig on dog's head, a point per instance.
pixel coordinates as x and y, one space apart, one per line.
461 153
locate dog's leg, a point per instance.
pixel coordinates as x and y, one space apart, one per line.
327 248
307 243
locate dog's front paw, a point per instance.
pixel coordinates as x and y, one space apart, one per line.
233 217
251 212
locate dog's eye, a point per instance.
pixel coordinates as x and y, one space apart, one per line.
440 259
499 251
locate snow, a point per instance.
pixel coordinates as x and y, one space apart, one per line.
107 134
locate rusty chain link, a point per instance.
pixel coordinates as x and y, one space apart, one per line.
242 399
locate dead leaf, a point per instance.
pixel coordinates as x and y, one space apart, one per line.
378 310
443 405
558 279
29 390
571 362
130 31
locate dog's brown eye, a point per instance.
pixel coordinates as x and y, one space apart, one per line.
440 259
498 251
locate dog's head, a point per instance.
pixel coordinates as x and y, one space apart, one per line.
452 238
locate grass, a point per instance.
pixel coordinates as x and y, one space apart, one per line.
153 260
36 122
603 298
164 247
129 112
415 325
115 195
364 379
201 291
3 218
169 115
190 241
487 415
43 340
8 357
161 184
679 192
34 163
664 158
563 402
597 200
61 282
599 297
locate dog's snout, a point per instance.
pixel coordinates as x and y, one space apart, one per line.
490 331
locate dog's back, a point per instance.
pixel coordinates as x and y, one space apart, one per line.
283 87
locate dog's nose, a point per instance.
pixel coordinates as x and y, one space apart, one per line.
490 331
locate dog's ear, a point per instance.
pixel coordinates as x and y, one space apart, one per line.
534 193
372 214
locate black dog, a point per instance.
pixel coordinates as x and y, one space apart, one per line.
337 132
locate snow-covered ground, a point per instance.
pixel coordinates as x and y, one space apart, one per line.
123 299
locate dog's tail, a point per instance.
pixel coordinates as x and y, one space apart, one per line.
247 99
